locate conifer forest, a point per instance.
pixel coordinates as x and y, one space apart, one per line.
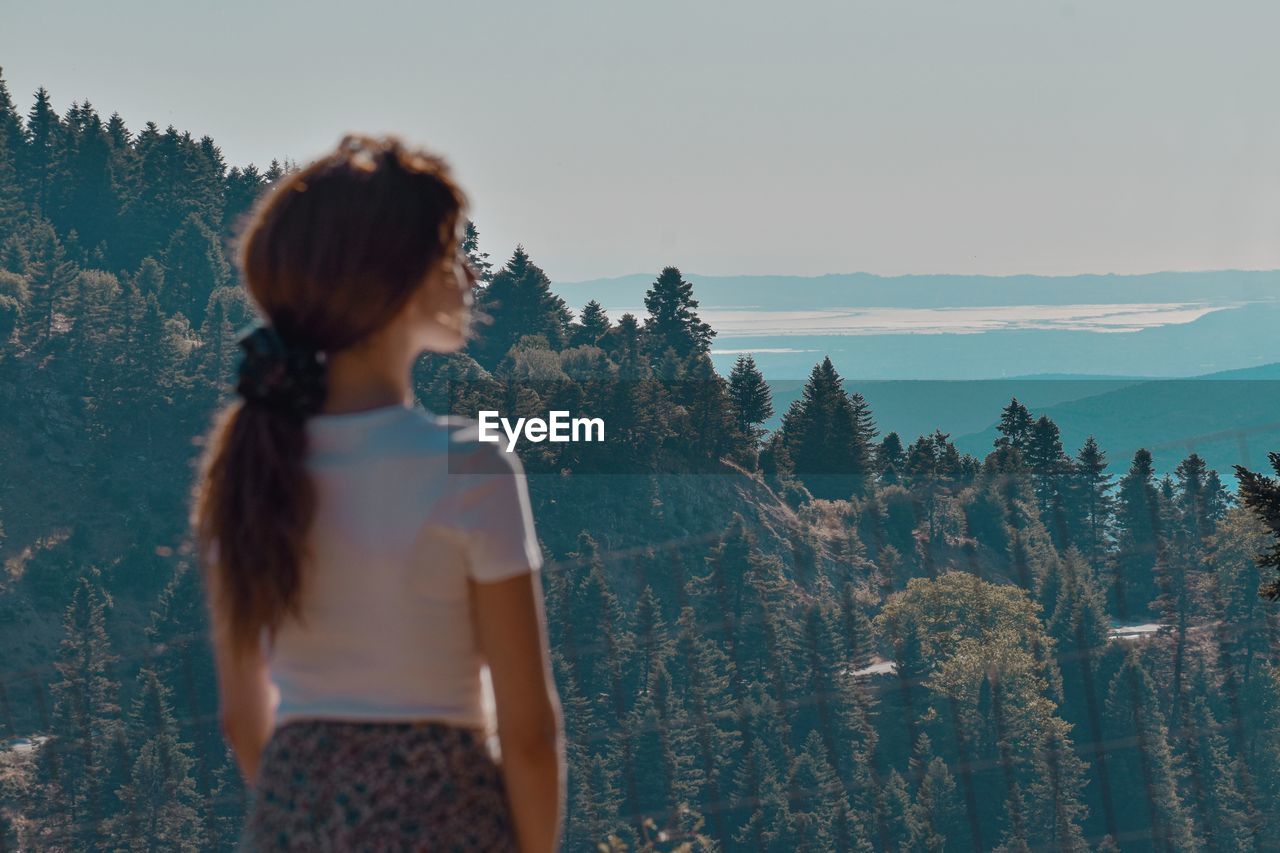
816 637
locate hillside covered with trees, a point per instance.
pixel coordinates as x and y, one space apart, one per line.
815 637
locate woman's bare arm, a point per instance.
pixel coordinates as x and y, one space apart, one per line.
511 628
244 694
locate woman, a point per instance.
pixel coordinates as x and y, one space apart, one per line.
367 561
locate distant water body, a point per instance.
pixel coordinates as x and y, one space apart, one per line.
740 322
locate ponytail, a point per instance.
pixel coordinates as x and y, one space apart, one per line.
254 506
256 500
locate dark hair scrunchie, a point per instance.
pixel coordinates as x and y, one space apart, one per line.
280 375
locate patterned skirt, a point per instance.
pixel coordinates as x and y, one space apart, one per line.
337 785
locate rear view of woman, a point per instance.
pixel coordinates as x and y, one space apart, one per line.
365 560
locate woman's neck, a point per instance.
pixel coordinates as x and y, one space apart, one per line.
368 377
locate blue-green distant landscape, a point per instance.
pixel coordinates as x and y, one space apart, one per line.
1173 324
1096 353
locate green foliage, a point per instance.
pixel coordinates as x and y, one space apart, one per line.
1261 494
1143 761
673 322
194 269
592 326
73 765
479 260
826 437
15 299
751 398
519 302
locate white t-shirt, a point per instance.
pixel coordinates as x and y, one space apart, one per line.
409 505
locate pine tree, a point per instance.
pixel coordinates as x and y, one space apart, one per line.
658 774
1138 537
518 302
597 806
706 430
701 676
1015 838
242 187
95 300
12 209
765 718
652 644
15 302
1091 500
226 313
1056 811
223 808
1222 813
592 326
14 257
1051 472
603 654
890 459
182 661
1079 625
865 427
160 804
11 128
766 635
761 802
836 709
43 162
899 819
1245 642
1141 762
934 816
479 260
673 321
1261 495
49 274
1015 426
1200 499
855 627
93 203
752 400
194 269
933 467
625 342
207 175
275 171
816 802
719 596
73 763
821 433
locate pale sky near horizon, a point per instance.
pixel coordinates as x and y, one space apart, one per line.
892 136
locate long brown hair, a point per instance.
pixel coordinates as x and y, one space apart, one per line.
329 255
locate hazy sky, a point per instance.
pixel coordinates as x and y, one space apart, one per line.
748 137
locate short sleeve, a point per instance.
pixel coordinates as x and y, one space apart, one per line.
496 518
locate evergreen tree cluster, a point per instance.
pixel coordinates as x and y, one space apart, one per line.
846 641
